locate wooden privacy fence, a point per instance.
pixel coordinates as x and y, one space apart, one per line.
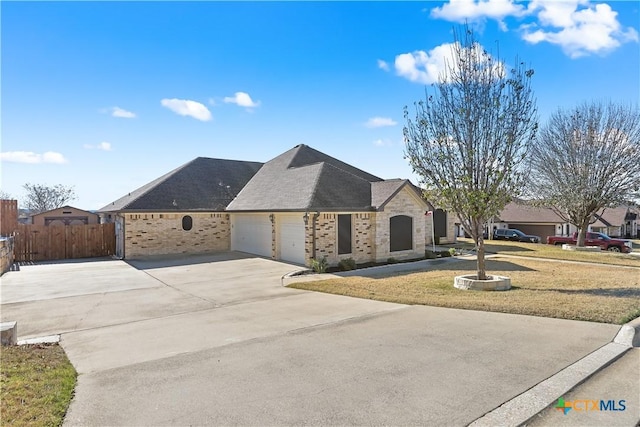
40 243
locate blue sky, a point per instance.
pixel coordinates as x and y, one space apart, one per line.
108 96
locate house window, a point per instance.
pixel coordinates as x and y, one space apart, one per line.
187 223
344 234
440 223
400 233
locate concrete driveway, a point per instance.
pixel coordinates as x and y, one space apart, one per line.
217 340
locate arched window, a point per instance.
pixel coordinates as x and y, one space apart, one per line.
187 223
400 233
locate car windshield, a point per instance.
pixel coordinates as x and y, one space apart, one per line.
518 232
602 236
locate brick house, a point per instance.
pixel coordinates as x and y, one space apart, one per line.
301 205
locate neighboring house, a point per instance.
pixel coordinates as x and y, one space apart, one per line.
615 222
618 222
298 206
537 221
66 215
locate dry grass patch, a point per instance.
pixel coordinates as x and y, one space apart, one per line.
595 293
37 385
540 250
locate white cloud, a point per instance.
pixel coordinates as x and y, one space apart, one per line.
382 142
31 157
383 65
185 107
122 113
578 27
104 146
427 67
477 10
422 67
378 122
241 99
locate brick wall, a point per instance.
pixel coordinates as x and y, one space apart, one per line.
362 237
404 203
162 233
326 235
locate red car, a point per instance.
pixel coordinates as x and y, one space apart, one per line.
605 242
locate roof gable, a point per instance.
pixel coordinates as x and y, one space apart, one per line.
65 207
384 191
614 217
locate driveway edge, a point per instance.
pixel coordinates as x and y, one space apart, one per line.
522 408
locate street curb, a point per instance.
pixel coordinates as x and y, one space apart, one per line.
522 408
49 339
629 334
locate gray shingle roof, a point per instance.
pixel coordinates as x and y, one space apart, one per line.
521 212
383 191
306 179
203 184
614 217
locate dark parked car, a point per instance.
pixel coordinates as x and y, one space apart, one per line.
514 235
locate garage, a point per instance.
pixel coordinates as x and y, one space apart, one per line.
251 233
536 230
291 238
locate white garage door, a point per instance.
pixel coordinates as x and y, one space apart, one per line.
251 233
291 238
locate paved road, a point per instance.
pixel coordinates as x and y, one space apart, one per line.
217 340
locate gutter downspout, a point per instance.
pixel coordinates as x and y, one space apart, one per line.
313 234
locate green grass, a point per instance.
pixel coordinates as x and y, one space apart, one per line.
541 250
591 292
37 385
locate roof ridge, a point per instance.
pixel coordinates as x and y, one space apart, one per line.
315 184
153 184
298 149
349 173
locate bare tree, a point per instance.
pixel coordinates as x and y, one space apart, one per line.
470 135
585 160
41 198
5 195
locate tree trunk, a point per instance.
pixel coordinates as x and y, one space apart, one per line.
582 233
482 269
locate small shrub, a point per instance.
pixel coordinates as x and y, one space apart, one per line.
347 264
452 251
319 266
429 254
392 260
445 254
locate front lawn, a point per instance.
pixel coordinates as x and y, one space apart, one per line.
37 385
542 250
598 293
